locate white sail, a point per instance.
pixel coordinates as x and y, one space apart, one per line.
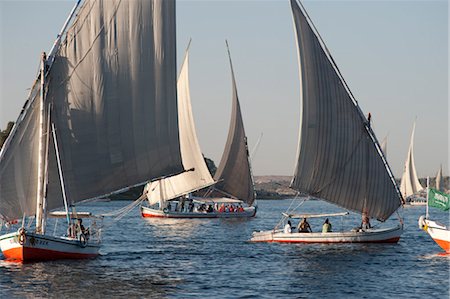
191 154
112 92
339 158
439 179
409 183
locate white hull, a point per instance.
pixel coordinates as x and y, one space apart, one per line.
387 235
154 213
439 233
36 247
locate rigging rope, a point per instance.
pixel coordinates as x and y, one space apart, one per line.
120 213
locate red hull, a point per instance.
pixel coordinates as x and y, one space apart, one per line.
444 244
21 254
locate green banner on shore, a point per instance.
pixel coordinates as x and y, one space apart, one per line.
438 199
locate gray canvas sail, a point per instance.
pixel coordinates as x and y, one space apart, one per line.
191 154
234 174
19 164
409 183
112 87
338 159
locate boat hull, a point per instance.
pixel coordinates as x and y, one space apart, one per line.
36 247
147 212
388 235
439 233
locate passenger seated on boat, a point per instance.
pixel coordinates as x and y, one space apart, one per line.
365 223
304 227
191 206
240 208
231 208
288 228
222 208
210 209
169 207
326 227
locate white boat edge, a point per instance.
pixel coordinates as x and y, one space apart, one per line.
438 232
380 235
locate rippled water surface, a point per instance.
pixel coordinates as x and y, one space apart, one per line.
212 258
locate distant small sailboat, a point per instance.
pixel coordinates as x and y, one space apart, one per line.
233 195
339 159
438 232
409 184
439 179
101 117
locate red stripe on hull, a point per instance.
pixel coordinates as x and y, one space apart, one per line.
444 244
24 254
392 240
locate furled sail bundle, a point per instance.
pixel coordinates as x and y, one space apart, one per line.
197 176
339 158
234 174
409 183
111 95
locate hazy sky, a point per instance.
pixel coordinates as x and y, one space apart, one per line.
393 55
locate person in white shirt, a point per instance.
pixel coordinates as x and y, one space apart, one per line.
288 228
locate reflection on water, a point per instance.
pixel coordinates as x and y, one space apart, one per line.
192 258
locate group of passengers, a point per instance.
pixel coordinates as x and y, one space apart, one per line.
304 227
76 229
188 206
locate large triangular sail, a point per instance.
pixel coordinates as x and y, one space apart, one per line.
191 154
112 89
234 173
339 158
409 183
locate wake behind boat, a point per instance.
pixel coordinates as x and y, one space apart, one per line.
339 158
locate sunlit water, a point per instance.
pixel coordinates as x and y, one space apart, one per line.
212 258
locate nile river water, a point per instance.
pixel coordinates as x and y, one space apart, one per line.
204 258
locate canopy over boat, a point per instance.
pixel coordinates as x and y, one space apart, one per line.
234 174
409 183
112 93
339 158
314 215
199 177
217 200
77 215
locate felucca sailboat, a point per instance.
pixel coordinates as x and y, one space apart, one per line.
232 196
101 117
409 184
339 159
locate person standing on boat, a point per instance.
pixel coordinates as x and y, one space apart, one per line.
326 227
304 227
288 227
365 223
